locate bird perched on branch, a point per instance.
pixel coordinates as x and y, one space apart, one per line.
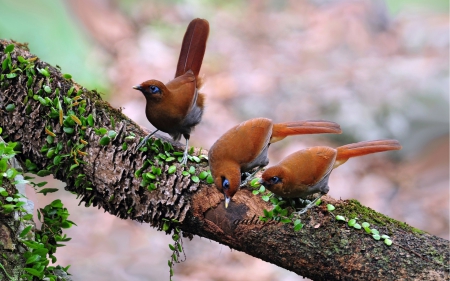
307 171
177 107
245 147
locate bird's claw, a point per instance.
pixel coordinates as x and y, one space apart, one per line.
142 143
309 206
250 176
184 159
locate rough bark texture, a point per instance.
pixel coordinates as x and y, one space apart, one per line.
325 249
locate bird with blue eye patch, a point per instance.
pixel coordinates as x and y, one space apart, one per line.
177 107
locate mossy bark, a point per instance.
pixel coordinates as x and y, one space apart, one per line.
325 249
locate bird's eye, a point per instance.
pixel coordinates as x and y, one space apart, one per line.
225 184
154 89
275 180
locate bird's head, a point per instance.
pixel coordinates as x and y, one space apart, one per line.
228 182
273 179
152 89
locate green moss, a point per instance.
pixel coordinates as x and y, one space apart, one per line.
354 209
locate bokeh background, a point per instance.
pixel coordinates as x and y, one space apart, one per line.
380 68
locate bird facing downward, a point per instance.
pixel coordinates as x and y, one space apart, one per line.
307 171
245 147
177 107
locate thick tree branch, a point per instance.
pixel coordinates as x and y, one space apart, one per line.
104 175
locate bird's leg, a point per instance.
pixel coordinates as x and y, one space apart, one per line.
249 177
144 141
185 154
310 205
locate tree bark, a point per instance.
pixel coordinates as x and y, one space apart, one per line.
104 176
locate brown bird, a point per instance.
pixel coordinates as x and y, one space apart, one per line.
177 107
245 147
307 171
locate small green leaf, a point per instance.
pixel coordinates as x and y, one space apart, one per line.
185 173
11 75
196 159
203 175
25 231
318 202
255 192
172 169
112 134
376 236
384 236
33 271
255 182
166 226
209 179
43 173
351 222
69 93
268 214
170 159
171 247
365 224
47 89
375 231
67 76
357 226
27 217
41 184
297 225
90 120
73 167
57 160
149 176
191 170
367 230
151 187
265 198
388 242
68 130
9 48
100 131
44 72
340 218
195 179
105 141
10 107
48 190
33 259
262 189
330 207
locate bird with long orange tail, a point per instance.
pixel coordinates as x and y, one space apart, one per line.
245 146
177 107
307 171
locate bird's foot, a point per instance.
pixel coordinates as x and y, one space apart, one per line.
250 177
144 141
185 155
184 159
309 206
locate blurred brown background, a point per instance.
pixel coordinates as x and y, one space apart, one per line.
378 68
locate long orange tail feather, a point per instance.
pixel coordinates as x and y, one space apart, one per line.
362 148
282 130
193 47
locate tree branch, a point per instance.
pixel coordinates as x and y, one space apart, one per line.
105 176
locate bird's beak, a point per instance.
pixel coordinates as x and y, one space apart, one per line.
137 87
227 201
261 181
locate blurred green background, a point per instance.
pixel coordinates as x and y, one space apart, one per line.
378 68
